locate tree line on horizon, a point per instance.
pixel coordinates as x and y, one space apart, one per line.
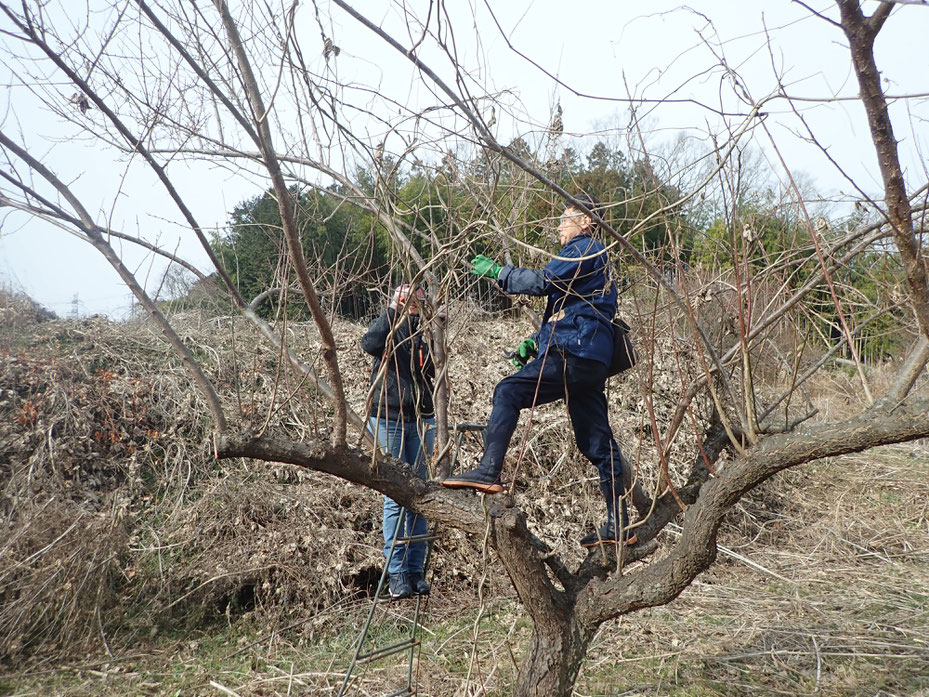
743 227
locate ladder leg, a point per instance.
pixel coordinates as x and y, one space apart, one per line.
413 644
361 639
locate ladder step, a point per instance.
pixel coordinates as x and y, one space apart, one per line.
418 538
387 651
470 427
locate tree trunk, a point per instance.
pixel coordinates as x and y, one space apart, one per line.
552 661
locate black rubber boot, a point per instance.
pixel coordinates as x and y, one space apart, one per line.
399 586
608 534
418 583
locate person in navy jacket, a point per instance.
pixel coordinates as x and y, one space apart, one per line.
568 358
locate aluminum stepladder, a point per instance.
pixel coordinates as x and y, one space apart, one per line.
411 643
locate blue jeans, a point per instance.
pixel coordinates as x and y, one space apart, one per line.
412 442
579 382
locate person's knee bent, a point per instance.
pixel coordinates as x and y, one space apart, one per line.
503 390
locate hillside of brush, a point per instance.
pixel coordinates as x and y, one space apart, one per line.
134 562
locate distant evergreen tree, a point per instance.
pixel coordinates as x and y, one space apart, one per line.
350 254
337 239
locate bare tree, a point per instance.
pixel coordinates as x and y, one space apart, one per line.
237 87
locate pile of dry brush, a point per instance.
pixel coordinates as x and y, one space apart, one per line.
118 519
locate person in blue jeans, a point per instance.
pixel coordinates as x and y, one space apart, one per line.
568 358
402 419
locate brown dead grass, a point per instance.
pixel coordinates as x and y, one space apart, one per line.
124 541
826 596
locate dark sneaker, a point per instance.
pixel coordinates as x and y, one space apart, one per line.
607 535
475 479
399 586
418 583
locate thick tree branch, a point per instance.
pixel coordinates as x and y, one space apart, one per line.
261 117
861 35
388 476
664 580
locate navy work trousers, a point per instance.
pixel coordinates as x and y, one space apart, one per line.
578 381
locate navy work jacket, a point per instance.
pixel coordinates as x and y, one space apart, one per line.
581 299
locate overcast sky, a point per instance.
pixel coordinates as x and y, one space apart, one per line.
602 50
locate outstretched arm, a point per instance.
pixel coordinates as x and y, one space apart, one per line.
573 263
516 280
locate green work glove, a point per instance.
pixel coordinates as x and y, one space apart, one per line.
525 352
485 266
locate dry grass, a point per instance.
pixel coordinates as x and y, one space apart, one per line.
834 603
837 604
132 563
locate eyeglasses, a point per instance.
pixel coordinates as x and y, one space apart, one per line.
568 216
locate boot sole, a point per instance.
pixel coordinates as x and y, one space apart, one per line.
631 540
483 488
